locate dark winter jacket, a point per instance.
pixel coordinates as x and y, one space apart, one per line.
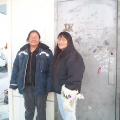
43 70
68 70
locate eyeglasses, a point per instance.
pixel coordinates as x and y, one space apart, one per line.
31 37
63 40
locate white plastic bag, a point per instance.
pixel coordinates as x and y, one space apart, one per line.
69 98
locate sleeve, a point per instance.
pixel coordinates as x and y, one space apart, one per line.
75 69
15 70
49 79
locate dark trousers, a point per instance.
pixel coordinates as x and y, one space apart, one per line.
31 100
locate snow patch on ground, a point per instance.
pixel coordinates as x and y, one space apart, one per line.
4 111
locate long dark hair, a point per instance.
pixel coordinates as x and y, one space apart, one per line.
58 52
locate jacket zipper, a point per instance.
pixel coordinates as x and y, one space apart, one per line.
25 72
30 68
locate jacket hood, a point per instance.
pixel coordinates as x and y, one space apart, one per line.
40 45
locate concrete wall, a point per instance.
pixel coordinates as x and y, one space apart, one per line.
94 34
24 16
118 65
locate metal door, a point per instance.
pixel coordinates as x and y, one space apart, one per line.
92 25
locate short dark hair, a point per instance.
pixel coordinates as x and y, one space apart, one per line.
32 32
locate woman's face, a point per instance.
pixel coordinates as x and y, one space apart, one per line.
62 42
34 39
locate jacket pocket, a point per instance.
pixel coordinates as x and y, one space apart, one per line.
21 59
44 63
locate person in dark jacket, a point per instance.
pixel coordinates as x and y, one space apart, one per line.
31 74
68 68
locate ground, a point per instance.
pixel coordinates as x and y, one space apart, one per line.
4 111
3 86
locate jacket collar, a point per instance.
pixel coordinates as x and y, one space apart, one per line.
40 45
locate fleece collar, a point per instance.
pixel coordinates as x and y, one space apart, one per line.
40 45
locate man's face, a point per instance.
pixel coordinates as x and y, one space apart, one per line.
34 39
